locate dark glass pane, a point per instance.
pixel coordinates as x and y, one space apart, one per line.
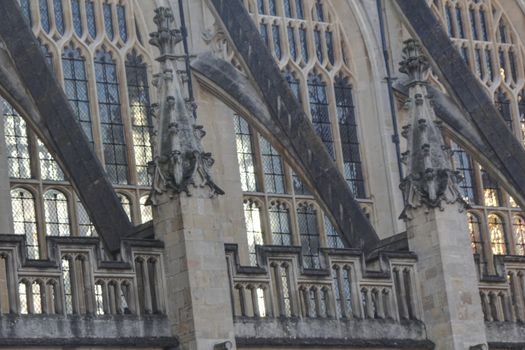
319 110
90 15
108 20
44 15
77 19
59 15
122 26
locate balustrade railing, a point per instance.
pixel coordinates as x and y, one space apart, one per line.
76 280
345 288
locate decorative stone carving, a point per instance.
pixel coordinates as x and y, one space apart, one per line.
180 162
431 181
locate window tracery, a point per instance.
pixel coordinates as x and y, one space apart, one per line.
309 45
107 84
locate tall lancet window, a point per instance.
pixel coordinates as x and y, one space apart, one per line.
112 128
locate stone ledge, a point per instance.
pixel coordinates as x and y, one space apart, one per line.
357 332
82 330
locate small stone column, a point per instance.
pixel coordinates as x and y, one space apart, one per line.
184 200
436 224
6 220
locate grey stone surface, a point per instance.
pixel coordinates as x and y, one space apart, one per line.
366 333
31 87
74 330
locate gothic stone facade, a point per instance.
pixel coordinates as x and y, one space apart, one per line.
262 174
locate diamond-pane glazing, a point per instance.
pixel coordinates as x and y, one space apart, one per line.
273 168
122 26
68 290
309 234
85 226
245 154
49 168
24 219
319 110
252 217
108 20
59 16
77 18
57 213
17 143
139 101
279 216
112 128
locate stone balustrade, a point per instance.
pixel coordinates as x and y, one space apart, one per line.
81 295
503 302
347 301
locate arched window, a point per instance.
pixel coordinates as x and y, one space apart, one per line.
309 234
497 235
23 298
475 234
17 143
491 192
145 210
245 154
44 15
57 213
252 217
68 284
108 19
112 128
59 16
24 220
85 226
518 225
319 111
90 17
139 104
272 167
76 88
279 216
76 17
122 25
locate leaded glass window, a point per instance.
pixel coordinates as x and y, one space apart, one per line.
491 191
245 154
138 91
146 213
90 17
36 293
309 234
272 167
475 234
319 111
518 224
497 235
24 220
68 285
59 16
77 18
23 298
279 216
349 140
57 213
76 88
108 20
126 205
85 226
459 19
299 11
333 239
273 7
292 43
26 11
44 15
252 217
304 44
49 168
122 26
112 128
17 143
276 35
463 164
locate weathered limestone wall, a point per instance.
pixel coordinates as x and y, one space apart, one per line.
198 293
448 279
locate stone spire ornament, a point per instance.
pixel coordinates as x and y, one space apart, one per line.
180 162
431 181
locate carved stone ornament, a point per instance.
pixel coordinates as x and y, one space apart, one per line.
180 162
431 181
